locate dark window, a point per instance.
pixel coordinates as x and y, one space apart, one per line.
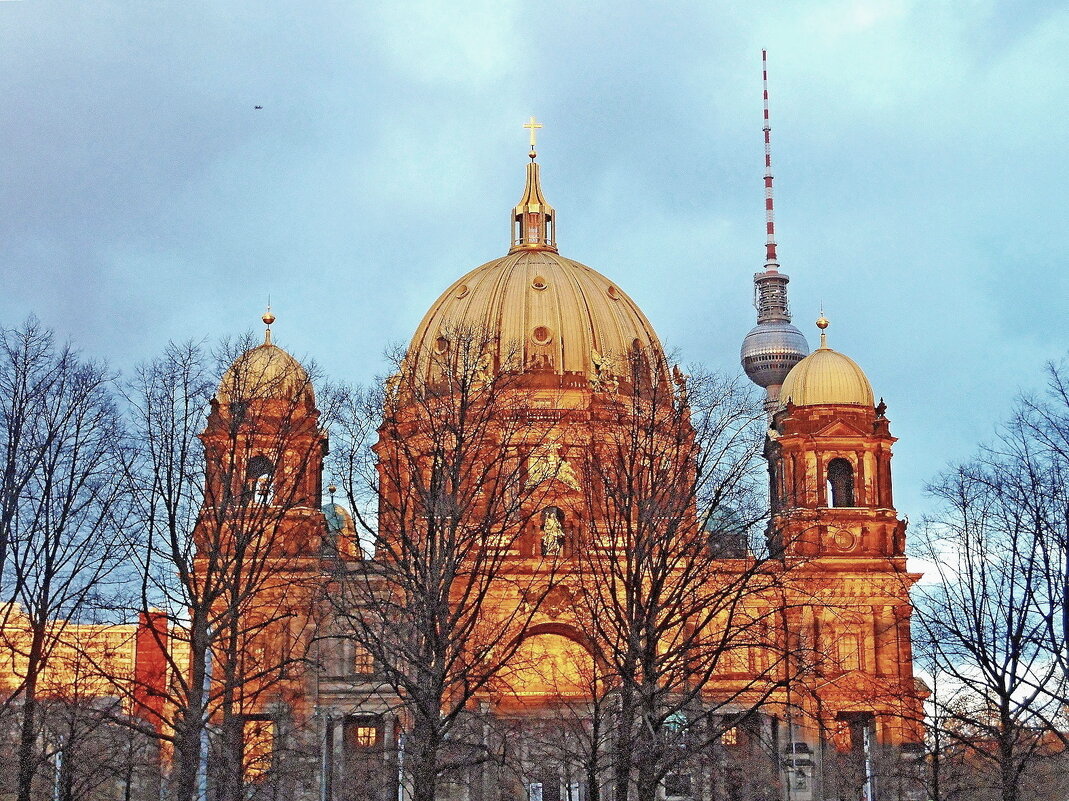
840 483
258 474
677 785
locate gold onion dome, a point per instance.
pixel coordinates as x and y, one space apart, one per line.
265 372
539 312
827 377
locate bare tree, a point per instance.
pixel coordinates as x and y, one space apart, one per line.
63 515
444 498
228 488
675 584
994 623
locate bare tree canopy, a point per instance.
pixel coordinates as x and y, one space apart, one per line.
227 483
995 623
63 513
444 499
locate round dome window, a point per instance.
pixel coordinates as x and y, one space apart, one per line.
539 282
542 335
462 290
613 293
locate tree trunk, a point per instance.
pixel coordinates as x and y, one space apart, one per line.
622 752
183 780
423 760
187 736
227 765
1007 768
28 729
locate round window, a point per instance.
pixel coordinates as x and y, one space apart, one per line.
542 335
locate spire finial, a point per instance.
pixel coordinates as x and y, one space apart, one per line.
770 219
532 219
822 324
268 319
532 125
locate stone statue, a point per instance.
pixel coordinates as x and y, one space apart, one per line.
548 465
552 533
603 379
484 369
680 380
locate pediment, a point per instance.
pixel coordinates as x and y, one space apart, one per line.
840 428
852 681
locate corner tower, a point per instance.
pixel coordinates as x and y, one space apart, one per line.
833 519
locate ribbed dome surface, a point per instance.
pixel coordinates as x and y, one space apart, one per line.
265 372
541 308
827 376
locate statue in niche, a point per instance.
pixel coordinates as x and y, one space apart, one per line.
552 532
548 464
540 361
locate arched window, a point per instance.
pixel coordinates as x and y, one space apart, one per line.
258 474
840 483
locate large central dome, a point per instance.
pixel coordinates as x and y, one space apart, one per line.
542 313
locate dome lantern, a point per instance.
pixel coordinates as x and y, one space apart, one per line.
533 220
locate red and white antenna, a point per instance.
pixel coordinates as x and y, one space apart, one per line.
771 261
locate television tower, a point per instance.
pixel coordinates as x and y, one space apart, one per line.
773 346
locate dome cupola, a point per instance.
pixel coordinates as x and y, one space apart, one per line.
265 372
827 377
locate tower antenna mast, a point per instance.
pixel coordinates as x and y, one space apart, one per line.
770 217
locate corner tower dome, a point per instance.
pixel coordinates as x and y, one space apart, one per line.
827 377
265 372
545 313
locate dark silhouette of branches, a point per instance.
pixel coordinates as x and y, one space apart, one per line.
443 498
63 514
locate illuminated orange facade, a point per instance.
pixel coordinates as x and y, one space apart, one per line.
575 344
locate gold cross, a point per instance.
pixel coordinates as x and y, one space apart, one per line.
532 125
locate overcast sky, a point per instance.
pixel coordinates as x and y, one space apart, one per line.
919 150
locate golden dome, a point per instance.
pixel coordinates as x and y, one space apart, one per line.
265 372
544 313
827 376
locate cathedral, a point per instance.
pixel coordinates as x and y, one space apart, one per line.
545 595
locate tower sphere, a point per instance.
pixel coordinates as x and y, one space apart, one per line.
770 350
